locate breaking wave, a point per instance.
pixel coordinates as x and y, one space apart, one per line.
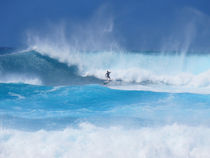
64 67
114 142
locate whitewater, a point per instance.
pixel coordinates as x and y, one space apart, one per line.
53 103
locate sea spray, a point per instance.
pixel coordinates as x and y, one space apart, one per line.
59 67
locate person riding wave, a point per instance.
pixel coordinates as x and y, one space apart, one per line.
108 75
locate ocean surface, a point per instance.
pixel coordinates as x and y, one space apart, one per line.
54 104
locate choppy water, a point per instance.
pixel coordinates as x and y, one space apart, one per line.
54 104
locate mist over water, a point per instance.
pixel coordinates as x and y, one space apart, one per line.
94 46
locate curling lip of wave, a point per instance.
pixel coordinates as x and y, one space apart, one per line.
50 66
156 68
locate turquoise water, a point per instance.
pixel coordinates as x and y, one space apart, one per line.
24 101
50 108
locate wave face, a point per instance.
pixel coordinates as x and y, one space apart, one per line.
49 66
33 68
96 121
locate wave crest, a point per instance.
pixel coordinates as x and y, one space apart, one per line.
51 66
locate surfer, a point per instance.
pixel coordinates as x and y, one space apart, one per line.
108 75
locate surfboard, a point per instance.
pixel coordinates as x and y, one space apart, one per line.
107 81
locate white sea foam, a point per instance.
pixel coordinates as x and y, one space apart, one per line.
16 95
20 79
162 88
133 67
174 141
177 69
